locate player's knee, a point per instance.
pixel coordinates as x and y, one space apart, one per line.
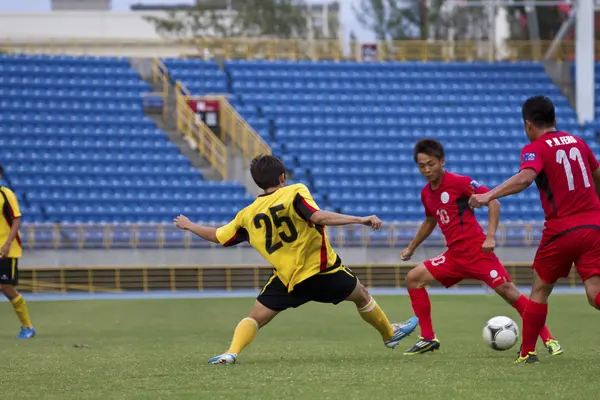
508 291
261 314
360 296
594 299
261 319
416 278
540 290
8 290
592 291
366 296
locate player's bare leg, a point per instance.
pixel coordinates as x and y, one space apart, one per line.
592 290
370 312
509 292
534 319
416 280
20 307
245 332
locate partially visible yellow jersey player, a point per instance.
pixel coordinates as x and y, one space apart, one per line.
285 225
10 252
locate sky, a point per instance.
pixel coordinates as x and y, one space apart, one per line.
347 17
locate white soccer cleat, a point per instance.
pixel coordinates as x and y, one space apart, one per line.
226 358
402 330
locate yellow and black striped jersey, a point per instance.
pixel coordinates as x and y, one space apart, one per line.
10 210
278 226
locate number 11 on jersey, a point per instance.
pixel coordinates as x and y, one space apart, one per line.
575 155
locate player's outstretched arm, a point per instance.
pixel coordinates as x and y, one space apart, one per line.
205 232
516 184
425 230
329 218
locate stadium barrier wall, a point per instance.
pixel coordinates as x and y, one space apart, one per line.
293 50
223 278
230 256
166 236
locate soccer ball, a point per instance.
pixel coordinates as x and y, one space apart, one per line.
501 333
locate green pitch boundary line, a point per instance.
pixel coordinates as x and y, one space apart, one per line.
220 294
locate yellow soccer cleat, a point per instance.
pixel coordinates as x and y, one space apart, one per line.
530 358
554 348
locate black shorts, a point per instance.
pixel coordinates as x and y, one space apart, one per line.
9 271
323 288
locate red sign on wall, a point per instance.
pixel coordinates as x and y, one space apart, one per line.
206 110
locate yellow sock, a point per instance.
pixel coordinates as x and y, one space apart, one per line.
243 335
375 316
20 307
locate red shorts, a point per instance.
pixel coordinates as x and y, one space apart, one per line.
455 265
556 255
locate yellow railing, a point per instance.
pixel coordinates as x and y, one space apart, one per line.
402 50
269 49
160 77
198 134
240 133
288 49
224 278
417 50
235 130
134 236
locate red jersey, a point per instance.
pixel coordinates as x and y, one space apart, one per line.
449 204
564 164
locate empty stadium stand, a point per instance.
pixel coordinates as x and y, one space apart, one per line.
348 128
77 147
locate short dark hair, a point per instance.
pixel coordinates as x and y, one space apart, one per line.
266 170
540 111
431 147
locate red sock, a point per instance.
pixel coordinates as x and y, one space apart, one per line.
597 301
520 305
422 308
534 319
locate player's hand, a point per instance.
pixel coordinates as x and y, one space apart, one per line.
372 221
182 222
406 254
479 200
489 245
4 250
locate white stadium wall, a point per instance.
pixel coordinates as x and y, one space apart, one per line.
87 32
231 256
81 24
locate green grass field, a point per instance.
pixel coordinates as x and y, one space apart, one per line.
157 349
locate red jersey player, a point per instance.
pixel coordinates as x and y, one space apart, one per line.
568 177
470 253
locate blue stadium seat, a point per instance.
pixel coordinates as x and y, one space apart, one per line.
348 128
77 147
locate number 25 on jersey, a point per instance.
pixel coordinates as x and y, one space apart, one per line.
279 221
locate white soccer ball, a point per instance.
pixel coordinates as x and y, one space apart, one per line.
501 333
